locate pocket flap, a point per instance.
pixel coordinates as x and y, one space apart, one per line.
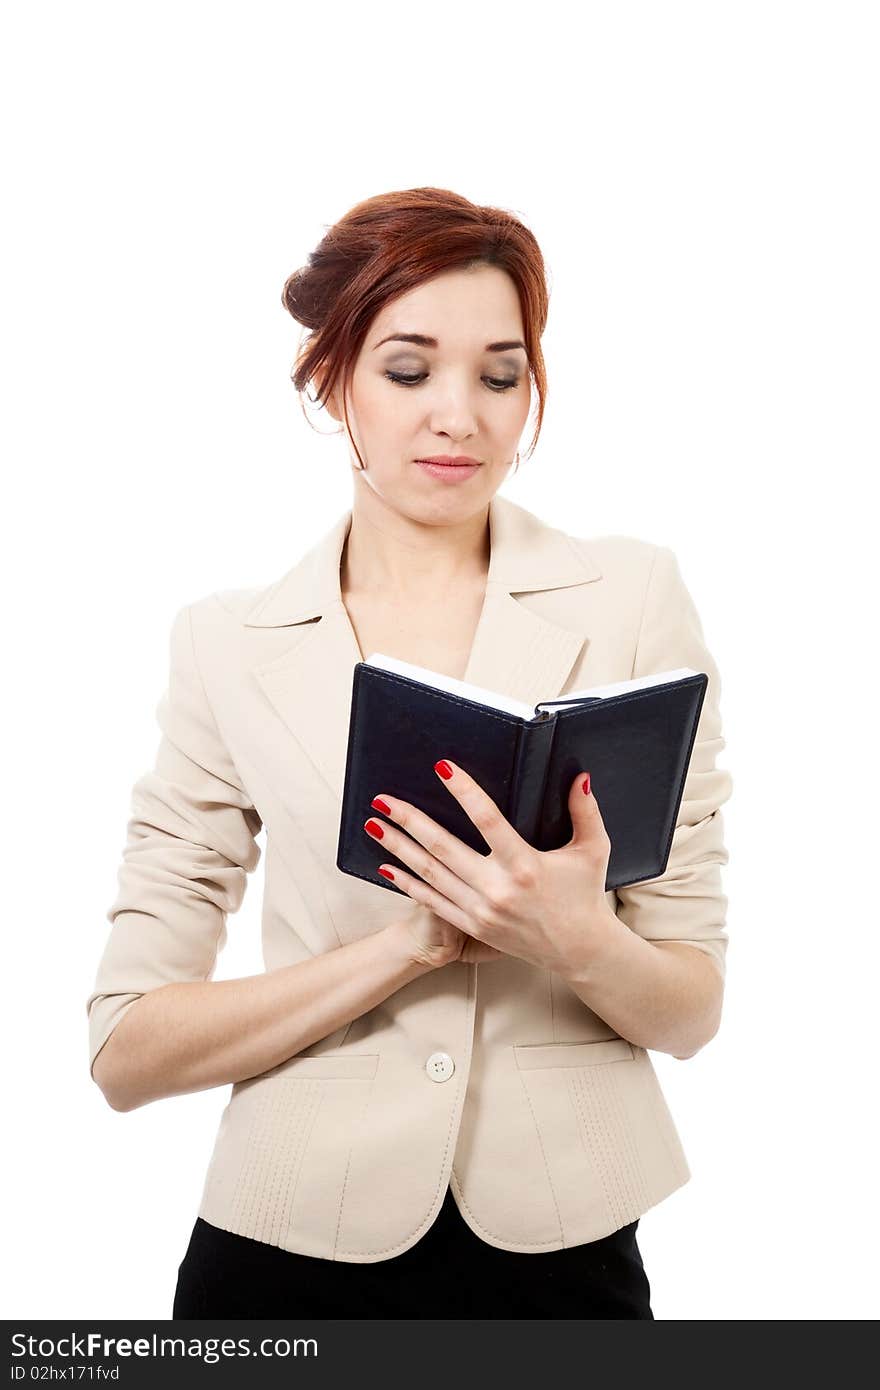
581 1054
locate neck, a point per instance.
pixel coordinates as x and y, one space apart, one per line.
393 556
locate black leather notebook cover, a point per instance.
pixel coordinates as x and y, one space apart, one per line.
636 745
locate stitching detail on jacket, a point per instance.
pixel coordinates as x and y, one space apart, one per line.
496 1234
308 1126
608 1124
593 1140
281 1124
630 1155
289 1160
364 1109
544 1156
244 1194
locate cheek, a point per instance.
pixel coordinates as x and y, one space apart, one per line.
520 409
508 416
383 411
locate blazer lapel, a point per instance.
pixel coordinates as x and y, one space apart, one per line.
515 652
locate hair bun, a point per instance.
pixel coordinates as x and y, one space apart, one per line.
301 298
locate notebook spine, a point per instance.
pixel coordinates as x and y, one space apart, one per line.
531 767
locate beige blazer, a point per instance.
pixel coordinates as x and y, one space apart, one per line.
551 1128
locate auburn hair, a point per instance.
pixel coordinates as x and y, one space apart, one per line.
387 245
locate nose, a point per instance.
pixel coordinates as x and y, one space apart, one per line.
454 412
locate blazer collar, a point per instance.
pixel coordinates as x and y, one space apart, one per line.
526 555
515 651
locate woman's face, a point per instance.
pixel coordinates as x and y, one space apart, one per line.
410 401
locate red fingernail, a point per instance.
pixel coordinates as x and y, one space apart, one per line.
444 769
586 786
373 828
387 873
379 805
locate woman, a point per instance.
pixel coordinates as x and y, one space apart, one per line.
442 1101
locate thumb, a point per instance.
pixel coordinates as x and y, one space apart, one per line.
587 825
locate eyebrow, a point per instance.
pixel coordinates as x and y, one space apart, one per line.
421 340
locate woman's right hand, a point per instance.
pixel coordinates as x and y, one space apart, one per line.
435 942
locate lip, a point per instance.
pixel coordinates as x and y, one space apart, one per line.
452 459
453 472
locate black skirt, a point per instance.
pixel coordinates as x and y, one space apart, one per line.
449 1273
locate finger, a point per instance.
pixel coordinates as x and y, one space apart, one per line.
588 827
495 829
420 857
432 842
427 896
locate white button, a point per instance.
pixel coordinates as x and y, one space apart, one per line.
439 1066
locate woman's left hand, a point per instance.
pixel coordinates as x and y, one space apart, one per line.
545 907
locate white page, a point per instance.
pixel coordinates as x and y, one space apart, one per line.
637 683
451 685
493 700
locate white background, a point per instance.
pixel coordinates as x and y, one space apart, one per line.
702 179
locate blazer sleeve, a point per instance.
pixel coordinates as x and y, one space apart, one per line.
686 903
190 845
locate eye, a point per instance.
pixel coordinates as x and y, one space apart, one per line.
494 383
